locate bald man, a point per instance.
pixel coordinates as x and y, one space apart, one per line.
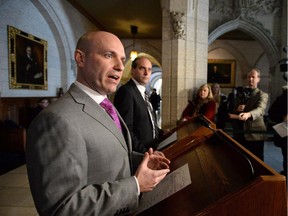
79 161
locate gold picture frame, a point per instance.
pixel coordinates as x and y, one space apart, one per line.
27 56
221 71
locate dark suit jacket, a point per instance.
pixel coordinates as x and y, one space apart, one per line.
132 107
29 67
78 161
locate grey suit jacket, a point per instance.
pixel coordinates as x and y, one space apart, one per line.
78 161
256 105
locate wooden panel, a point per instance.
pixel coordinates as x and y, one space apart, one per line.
12 139
17 109
14 119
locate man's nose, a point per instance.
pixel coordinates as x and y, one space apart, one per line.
119 66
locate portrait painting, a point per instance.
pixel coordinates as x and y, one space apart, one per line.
27 60
221 71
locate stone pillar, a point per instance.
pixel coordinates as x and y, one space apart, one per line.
184 54
277 80
284 42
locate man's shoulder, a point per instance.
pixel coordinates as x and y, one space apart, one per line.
125 87
261 93
61 105
129 84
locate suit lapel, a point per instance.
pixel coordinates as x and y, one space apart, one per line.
138 95
91 108
126 133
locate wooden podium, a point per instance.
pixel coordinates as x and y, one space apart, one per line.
226 179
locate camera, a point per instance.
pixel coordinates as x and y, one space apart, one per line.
243 94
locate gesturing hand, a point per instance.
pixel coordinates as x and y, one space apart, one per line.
151 171
157 160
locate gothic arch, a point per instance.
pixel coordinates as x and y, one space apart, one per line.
126 73
148 48
62 43
243 64
254 31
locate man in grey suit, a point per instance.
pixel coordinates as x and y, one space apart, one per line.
251 114
78 161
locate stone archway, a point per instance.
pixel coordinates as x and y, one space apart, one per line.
243 64
261 35
254 31
126 74
62 42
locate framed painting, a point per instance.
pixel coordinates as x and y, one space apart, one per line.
27 56
221 71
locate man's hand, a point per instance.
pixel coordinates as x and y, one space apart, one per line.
38 75
157 160
152 170
240 108
244 116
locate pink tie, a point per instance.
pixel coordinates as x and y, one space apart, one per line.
108 106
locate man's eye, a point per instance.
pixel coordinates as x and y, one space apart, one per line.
108 55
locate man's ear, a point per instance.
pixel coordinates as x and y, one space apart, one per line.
79 58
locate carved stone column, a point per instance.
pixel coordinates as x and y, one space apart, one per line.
277 79
184 54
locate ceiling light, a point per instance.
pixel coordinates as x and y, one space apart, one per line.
134 31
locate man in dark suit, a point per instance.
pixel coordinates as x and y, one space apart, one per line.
130 102
79 161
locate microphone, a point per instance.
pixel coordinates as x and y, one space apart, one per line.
205 123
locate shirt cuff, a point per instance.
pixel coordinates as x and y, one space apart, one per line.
137 183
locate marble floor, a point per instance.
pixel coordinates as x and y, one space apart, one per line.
16 199
15 195
273 156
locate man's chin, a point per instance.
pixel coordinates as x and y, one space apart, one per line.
111 90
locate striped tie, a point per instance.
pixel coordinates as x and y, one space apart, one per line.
150 109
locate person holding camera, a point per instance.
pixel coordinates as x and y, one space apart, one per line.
250 115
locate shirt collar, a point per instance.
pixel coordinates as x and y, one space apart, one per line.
140 87
98 98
